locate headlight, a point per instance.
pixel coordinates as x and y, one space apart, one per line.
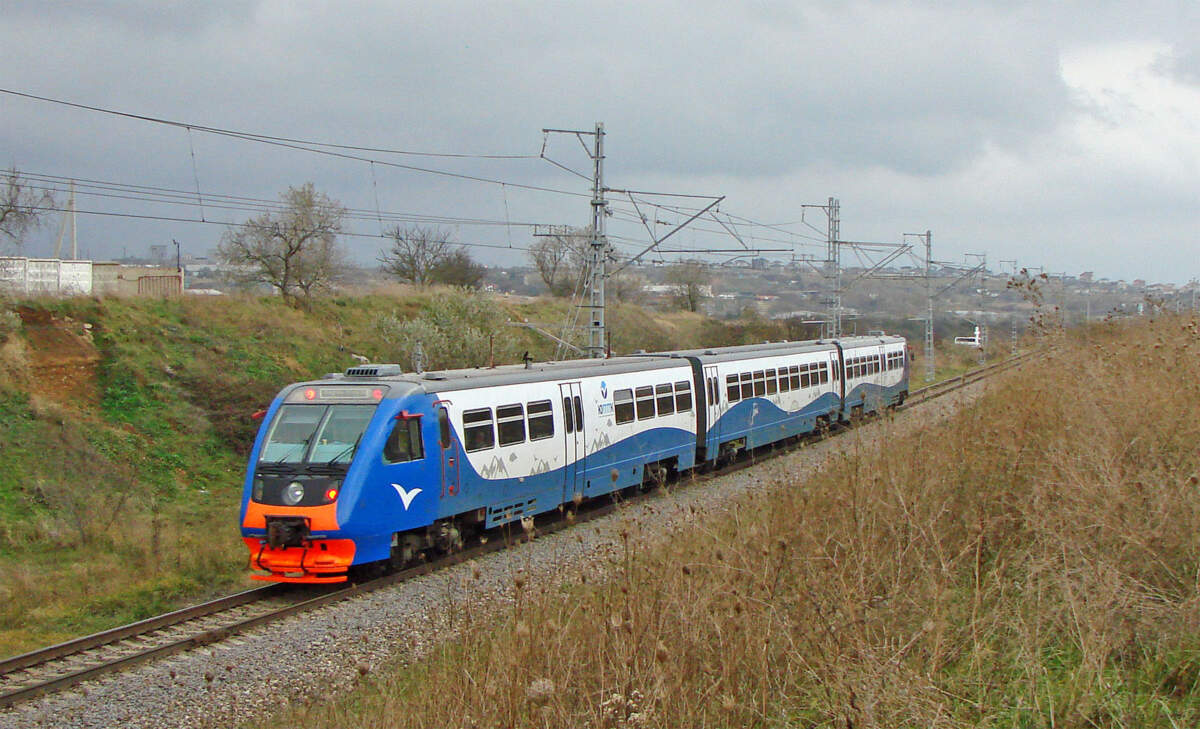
294 493
258 490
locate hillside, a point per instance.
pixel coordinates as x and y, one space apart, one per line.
126 422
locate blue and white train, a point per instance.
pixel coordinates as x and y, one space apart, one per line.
375 466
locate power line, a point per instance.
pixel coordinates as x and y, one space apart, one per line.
313 147
179 219
175 196
262 137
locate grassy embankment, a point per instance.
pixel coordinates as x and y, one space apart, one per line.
122 455
1032 562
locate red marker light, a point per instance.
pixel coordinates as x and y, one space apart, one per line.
310 394
377 393
331 494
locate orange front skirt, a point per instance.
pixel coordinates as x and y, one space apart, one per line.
323 560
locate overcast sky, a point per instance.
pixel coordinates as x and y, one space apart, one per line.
1062 135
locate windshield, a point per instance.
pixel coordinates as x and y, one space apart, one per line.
316 433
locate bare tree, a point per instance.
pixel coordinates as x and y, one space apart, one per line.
21 208
295 250
416 253
561 259
692 282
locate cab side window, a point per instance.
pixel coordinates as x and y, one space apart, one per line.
404 442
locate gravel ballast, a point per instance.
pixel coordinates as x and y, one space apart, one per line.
324 652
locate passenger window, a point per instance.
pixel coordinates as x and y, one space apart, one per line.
510 422
478 431
645 402
404 442
683 396
623 405
772 384
733 391
785 382
760 387
747 385
794 376
824 374
578 413
541 419
570 421
665 398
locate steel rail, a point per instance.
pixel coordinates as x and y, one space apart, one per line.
545 524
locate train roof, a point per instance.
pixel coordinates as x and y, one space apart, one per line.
721 354
461 379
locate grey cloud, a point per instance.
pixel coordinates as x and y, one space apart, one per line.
769 102
176 17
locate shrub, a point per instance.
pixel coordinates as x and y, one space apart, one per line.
460 329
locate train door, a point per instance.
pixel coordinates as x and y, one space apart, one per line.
879 379
837 361
574 445
712 392
451 483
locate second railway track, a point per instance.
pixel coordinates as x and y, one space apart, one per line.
60 666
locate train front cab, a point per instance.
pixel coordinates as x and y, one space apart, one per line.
324 452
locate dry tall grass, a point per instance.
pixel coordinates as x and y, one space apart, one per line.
1033 562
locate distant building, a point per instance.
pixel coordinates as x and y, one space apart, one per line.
56 277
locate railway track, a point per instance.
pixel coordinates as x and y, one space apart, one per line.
60 666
